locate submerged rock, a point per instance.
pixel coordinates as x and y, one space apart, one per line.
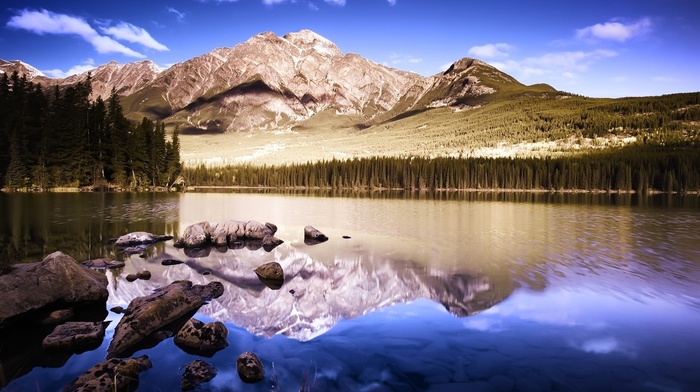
196 373
75 336
199 338
249 368
140 238
58 279
148 314
312 236
54 317
103 263
111 375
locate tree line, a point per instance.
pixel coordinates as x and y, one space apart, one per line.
641 168
62 138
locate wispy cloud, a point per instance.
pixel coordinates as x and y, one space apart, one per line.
313 7
130 33
47 22
665 79
273 2
559 65
398 58
87 65
391 2
179 15
615 30
491 51
340 3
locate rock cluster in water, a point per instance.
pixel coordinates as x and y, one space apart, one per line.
229 234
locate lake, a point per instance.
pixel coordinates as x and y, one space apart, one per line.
428 292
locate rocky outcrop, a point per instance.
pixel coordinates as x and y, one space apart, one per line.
75 336
148 314
140 238
196 373
203 339
249 368
313 236
57 282
229 233
111 375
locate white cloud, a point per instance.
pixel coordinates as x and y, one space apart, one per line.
665 79
490 51
398 58
392 2
615 31
273 2
179 15
46 22
313 7
130 33
558 65
87 65
340 3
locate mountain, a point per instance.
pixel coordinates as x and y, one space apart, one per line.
271 83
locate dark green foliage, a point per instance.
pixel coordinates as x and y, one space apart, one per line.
64 139
640 168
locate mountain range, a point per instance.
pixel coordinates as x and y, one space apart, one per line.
271 83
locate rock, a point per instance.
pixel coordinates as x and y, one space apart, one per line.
270 242
54 317
140 238
144 275
347 237
75 336
227 232
312 236
271 274
103 263
249 368
131 277
170 262
199 338
197 372
150 313
117 310
31 287
196 235
255 230
111 375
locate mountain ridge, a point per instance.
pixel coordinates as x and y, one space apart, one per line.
272 82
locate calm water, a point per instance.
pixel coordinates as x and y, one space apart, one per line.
444 293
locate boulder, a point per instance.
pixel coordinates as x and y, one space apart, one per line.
271 274
58 279
140 238
227 232
148 314
196 235
249 368
103 263
75 336
270 242
255 230
197 372
312 236
199 338
168 262
111 375
144 275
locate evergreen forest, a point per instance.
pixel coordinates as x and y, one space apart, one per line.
60 138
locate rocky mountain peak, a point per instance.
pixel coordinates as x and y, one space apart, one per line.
307 39
22 68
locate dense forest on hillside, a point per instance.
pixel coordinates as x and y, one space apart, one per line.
61 138
638 168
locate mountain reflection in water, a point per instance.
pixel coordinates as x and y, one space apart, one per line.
315 294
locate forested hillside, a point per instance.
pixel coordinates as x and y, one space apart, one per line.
61 138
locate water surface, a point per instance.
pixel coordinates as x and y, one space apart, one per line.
454 292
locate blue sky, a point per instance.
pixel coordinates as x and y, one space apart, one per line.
595 48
